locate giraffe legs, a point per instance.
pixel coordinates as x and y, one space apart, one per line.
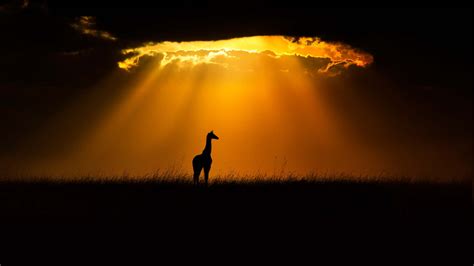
197 173
199 162
206 174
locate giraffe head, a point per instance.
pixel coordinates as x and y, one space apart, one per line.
211 135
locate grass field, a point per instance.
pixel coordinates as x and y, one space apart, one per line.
152 197
257 212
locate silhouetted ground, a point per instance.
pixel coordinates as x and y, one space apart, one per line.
399 217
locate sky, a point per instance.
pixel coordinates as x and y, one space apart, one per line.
382 92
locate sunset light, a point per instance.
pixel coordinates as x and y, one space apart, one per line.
234 131
263 95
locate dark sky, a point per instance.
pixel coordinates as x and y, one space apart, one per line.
423 56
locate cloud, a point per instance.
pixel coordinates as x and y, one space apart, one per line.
86 25
77 52
14 6
206 52
21 6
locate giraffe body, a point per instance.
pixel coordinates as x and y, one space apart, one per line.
203 160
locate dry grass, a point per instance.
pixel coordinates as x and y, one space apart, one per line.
180 177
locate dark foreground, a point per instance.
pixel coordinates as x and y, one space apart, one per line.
395 219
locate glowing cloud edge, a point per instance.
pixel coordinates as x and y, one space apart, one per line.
308 47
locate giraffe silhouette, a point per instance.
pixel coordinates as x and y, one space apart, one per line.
203 160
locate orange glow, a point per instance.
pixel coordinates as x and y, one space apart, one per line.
279 105
261 95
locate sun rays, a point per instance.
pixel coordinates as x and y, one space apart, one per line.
261 95
263 103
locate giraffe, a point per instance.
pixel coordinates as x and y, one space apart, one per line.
203 160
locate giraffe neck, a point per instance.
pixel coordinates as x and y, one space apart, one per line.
208 148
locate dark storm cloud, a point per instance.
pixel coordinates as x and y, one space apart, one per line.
428 43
